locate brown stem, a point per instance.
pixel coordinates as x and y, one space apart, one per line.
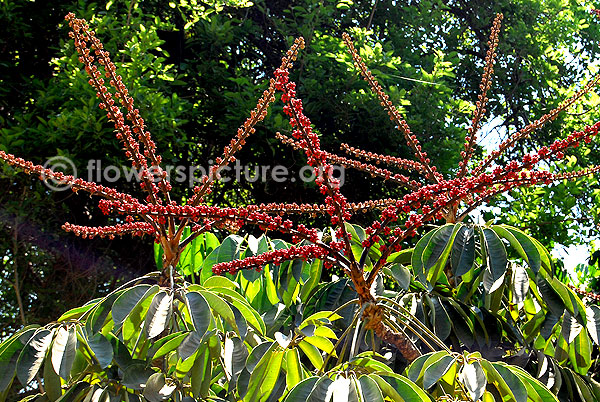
373 316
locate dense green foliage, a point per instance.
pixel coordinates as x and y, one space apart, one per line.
196 70
284 334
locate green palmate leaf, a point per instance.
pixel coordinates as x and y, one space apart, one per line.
192 257
240 322
241 385
237 300
545 258
265 375
306 291
436 246
493 276
199 311
158 255
523 244
440 265
156 389
200 375
561 350
519 283
463 251
10 350
585 392
368 389
417 257
461 323
292 288
356 232
580 353
302 390
401 275
289 275
76 392
293 367
78 311
168 344
220 306
415 371
595 387
257 353
507 383
593 323
552 299
439 317
130 299
400 388
250 315
435 371
325 331
401 257
312 353
571 301
474 380
320 318
102 349
52 384
531 329
189 345
536 391
63 351
99 314
159 314
228 250
321 390
220 282
322 343
32 356
235 354
570 327
121 354
136 375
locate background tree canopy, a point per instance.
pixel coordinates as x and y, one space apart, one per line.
196 69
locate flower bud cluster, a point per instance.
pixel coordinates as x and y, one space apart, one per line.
530 128
484 87
314 209
394 161
272 257
90 50
256 116
308 140
395 116
75 183
374 171
133 228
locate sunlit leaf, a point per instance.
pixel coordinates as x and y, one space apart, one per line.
32 356
497 261
63 351
435 371
463 251
474 380
159 314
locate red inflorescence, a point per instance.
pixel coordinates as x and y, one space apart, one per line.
272 257
429 198
133 228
